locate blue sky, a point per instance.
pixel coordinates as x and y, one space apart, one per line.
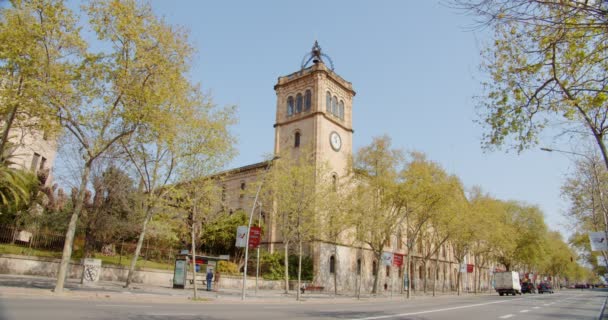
413 64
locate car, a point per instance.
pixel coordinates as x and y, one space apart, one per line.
528 287
544 287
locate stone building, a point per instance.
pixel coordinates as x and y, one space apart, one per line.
315 107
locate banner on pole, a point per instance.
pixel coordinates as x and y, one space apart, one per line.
241 237
387 258
255 236
397 260
598 241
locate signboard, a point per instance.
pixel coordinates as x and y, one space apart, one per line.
241 233
397 260
387 258
469 268
598 241
255 236
463 268
179 274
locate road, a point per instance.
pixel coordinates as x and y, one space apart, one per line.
567 304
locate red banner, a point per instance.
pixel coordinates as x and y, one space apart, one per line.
255 236
469 268
397 259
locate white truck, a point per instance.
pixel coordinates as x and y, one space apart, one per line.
507 283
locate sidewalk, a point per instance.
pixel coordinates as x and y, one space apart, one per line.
12 285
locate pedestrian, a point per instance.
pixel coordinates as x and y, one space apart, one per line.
217 280
209 279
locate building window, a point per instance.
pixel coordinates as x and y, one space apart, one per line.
387 242
341 110
243 186
420 272
289 106
388 271
328 102
334 181
334 106
224 193
374 268
298 103
296 139
35 162
307 100
358 266
332 264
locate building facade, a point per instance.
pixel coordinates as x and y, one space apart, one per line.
314 108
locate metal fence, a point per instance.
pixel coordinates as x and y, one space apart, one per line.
33 240
121 252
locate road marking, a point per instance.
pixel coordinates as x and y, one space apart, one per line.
436 310
123 305
507 316
535 307
171 314
524 311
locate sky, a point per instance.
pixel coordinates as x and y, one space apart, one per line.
413 64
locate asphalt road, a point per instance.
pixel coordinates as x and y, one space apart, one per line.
564 305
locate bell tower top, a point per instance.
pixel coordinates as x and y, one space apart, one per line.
314 107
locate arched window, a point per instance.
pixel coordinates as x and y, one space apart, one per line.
298 103
420 272
328 102
332 264
374 268
243 186
341 110
296 138
358 266
388 271
334 106
334 181
289 106
307 100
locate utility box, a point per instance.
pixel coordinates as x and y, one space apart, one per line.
180 272
91 270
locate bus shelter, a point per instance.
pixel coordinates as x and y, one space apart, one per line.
182 273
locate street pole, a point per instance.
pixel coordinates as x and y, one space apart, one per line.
255 201
257 264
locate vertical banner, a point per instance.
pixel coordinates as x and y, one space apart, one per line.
598 241
397 260
241 234
387 258
255 236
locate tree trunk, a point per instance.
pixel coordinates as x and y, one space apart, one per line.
458 276
7 128
424 275
409 272
335 269
69 236
286 263
436 273
299 270
140 243
194 261
375 286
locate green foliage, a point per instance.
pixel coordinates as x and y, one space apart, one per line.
272 267
219 237
228 267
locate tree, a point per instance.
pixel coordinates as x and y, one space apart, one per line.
375 202
137 84
295 184
546 68
38 37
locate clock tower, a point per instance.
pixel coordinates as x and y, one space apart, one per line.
314 109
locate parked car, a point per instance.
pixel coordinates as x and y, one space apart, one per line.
528 287
545 287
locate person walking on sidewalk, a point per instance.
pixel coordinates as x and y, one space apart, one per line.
209 279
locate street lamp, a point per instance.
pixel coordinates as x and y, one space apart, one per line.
255 201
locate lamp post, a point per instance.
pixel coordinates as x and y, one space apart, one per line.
255 201
596 182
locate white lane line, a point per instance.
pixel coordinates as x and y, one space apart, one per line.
506 316
436 310
535 307
524 311
171 314
123 305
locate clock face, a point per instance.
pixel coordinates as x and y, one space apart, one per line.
335 141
